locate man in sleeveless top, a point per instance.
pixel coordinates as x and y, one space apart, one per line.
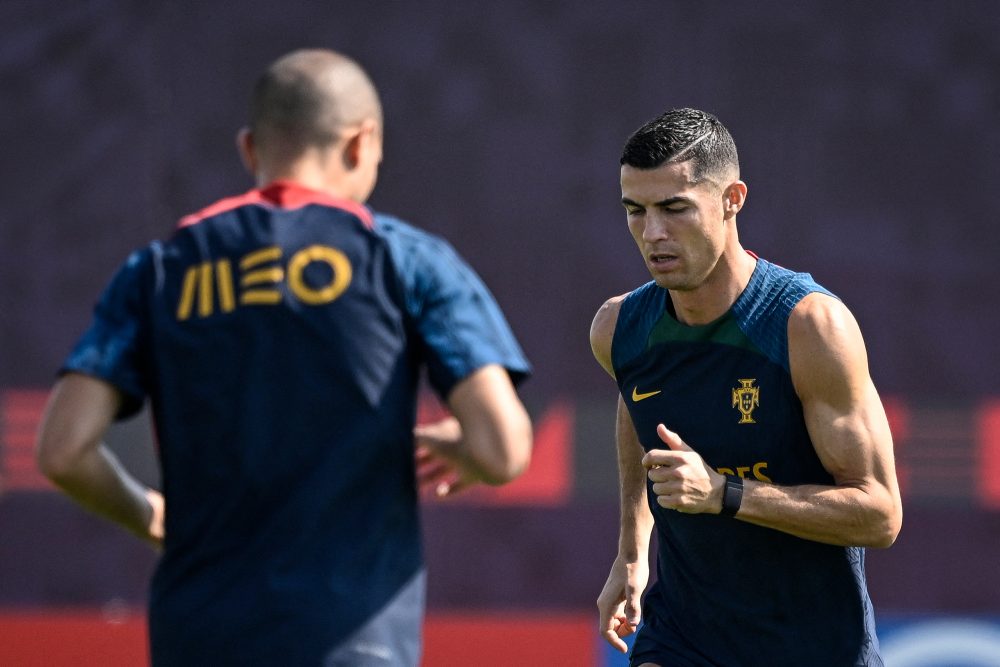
750 436
279 336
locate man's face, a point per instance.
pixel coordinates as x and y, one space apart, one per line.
677 224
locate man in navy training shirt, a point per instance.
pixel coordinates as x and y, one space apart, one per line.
749 433
279 337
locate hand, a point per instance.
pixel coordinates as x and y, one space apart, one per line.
438 447
155 527
681 479
619 602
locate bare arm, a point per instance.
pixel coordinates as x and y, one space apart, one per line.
488 439
619 601
71 453
849 431
636 519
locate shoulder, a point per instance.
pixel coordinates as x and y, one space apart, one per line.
775 286
417 254
620 327
821 319
625 306
825 347
602 330
406 236
136 267
767 306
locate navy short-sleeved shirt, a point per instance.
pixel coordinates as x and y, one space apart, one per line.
279 337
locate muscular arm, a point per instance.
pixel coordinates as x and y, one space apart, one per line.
636 519
618 602
849 431
71 453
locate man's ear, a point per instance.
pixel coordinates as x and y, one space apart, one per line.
364 143
247 149
733 198
352 150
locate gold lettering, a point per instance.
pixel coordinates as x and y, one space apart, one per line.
187 294
266 276
224 278
199 283
337 261
742 471
198 280
205 289
260 297
262 256
258 276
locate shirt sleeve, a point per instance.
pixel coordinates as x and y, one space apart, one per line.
458 321
112 347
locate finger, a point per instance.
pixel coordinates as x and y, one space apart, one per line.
633 611
625 629
672 440
432 474
430 463
427 435
661 458
444 429
669 502
431 481
661 474
453 487
612 638
423 454
610 635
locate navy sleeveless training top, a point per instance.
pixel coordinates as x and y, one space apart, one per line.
730 592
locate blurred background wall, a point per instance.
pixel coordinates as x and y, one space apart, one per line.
868 135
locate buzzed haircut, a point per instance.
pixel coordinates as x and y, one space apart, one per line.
680 135
305 98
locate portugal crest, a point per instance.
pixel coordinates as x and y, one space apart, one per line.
746 397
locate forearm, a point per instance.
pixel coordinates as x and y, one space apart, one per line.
636 517
496 437
841 515
496 452
99 483
636 529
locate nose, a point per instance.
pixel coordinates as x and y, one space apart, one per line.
655 228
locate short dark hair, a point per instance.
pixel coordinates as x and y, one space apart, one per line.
304 98
289 107
680 135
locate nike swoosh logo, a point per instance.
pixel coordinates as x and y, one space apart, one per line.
636 396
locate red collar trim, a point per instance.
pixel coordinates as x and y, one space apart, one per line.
286 195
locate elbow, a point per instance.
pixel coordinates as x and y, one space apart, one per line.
53 461
890 531
885 528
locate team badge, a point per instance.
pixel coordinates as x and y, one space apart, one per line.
746 398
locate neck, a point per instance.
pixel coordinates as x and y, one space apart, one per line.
313 173
717 294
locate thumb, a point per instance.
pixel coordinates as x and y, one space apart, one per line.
671 439
633 606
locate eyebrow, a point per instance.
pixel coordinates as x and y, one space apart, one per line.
663 202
